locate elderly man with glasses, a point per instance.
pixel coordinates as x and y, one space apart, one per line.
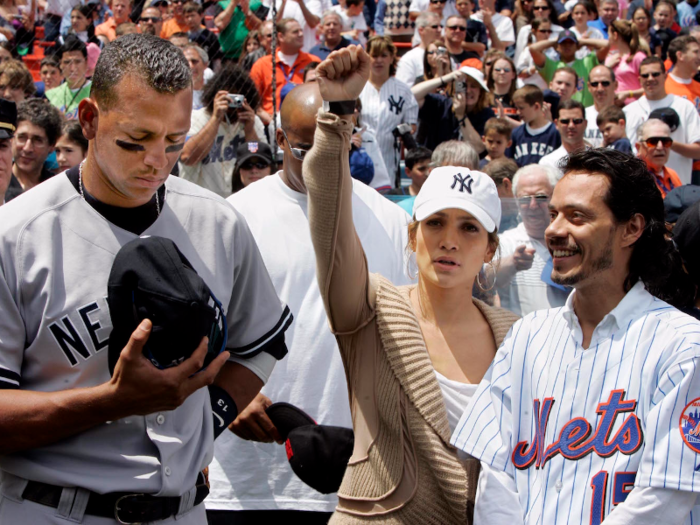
686 136
523 281
428 27
653 147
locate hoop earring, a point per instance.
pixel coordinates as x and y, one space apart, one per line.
493 284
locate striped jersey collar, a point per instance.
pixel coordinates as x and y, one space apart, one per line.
633 304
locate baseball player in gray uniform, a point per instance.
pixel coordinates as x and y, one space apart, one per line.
79 446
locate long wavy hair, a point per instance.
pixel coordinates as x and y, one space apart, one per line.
632 190
491 83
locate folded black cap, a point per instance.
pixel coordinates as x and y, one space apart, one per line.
8 118
668 115
318 454
151 279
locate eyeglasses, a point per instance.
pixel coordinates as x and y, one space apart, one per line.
604 83
540 199
541 8
655 74
256 165
457 28
153 19
502 70
567 121
652 142
436 26
297 153
545 31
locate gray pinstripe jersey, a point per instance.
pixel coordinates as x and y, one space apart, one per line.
56 253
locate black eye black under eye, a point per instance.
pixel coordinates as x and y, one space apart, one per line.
129 146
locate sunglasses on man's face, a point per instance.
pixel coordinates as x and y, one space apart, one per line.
540 8
652 142
604 83
436 27
655 74
153 19
540 199
457 28
297 153
566 121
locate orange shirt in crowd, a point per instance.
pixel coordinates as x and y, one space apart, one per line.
666 180
107 29
690 92
171 27
261 73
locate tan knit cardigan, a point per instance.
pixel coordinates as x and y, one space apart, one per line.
403 469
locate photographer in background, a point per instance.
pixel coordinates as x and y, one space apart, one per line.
224 122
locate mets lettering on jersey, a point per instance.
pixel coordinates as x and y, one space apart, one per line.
577 429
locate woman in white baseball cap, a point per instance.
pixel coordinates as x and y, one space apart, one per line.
413 355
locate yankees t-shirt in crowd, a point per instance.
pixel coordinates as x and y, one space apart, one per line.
215 171
56 254
574 430
252 475
382 111
593 135
688 132
530 145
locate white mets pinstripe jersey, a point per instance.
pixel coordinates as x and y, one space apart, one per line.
577 428
385 109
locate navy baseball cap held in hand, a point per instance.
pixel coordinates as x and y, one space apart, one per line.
151 279
318 454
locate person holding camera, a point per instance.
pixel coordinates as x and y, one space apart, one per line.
387 102
462 115
226 120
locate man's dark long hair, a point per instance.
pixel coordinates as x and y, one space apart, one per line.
655 260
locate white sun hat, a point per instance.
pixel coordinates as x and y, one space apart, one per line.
461 188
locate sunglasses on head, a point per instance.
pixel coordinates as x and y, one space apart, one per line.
457 28
652 142
249 165
604 83
297 153
655 74
526 199
566 121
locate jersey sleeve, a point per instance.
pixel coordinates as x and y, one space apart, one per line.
671 455
12 334
485 429
256 318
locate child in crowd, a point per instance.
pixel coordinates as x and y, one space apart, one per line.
496 139
538 136
502 172
354 24
71 146
417 169
200 35
611 122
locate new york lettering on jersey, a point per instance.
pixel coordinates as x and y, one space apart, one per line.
531 149
529 146
92 319
577 429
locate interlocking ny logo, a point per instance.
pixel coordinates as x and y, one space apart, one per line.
465 183
396 105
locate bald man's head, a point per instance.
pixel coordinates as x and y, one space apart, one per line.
298 118
300 107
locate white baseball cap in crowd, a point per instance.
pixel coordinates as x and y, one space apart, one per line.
461 188
475 74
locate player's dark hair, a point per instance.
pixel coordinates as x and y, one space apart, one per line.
632 190
416 155
157 62
74 132
43 115
233 79
73 43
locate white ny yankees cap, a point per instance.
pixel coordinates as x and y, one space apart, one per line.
461 188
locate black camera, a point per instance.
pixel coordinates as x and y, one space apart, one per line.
403 132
